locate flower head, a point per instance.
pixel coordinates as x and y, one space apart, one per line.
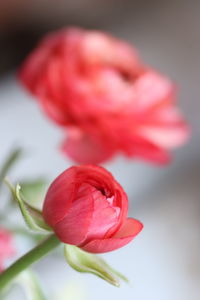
86 207
97 87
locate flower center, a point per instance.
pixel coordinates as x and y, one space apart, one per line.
105 214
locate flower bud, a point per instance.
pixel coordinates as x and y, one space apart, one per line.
86 207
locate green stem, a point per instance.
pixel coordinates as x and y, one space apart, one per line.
28 259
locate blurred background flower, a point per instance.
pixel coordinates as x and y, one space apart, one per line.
166 34
111 101
7 248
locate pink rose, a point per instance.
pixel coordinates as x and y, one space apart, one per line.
86 207
96 86
6 246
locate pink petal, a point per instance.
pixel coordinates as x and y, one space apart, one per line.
145 149
74 227
51 93
127 232
166 137
7 249
151 90
84 149
33 67
131 227
105 216
59 197
103 180
164 127
54 112
98 47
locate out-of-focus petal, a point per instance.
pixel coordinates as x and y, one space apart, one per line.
148 151
54 112
84 149
151 90
32 68
7 248
166 137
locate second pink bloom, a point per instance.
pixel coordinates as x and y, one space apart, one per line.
109 101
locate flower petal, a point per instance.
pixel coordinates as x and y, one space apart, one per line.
84 149
127 232
105 216
147 150
152 89
74 227
59 197
7 249
103 180
131 227
166 137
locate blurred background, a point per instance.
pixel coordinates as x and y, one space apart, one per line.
163 262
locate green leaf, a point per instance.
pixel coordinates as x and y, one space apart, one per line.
32 216
31 285
9 163
86 262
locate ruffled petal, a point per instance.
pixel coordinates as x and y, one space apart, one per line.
127 232
105 216
103 180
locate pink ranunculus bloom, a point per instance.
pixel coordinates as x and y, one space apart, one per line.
97 87
88 208
6 246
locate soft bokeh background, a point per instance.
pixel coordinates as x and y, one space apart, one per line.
163 262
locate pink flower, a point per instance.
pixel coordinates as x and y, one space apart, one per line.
86 207
6 246
97 87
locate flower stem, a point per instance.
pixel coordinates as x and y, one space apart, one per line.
28 259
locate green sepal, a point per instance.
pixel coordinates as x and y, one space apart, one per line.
86 262
34 190
32 216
